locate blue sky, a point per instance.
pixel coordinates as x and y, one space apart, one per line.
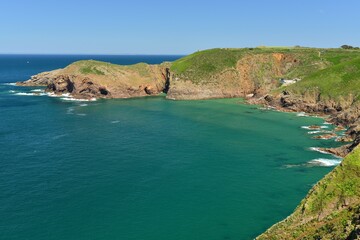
173 27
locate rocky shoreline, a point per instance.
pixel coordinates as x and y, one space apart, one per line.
343 115
340 116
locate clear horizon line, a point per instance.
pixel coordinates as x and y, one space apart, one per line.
109 54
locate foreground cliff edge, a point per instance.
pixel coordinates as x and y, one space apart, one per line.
331 210
318 81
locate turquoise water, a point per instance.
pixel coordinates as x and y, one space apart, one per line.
148 168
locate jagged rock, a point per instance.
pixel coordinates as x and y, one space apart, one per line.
325 136
41 79
150 90
92 79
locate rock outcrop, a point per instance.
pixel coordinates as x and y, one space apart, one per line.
92 79
41 79
252 74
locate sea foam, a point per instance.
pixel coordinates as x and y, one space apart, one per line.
78 99
30 94
37 90
323 162
302 114
313 127
316 149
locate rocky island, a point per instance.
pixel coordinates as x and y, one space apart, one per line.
316 81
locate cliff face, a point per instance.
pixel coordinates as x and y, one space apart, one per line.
88 79
331 210
250 74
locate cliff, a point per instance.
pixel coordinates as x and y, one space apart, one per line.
219 73
88 79
331 210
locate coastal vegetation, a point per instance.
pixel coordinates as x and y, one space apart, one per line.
338 80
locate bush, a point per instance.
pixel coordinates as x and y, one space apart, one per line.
347 47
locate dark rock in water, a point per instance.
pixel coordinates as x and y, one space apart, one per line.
340 151
325 136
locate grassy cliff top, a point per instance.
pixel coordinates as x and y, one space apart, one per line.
200 66
331 210
104 68
115 75
335 81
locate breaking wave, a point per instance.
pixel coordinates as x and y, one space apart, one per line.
37 90
30 94
78 99
324 162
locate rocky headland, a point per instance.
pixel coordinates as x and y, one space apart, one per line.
324 82
94 79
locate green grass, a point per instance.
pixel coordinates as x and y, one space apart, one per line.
334 81
201 66
103 68
91 70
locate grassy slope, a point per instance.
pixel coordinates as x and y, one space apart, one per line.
117 75
331 210
200 66
104 68
340 79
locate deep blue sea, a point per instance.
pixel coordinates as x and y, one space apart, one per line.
146 168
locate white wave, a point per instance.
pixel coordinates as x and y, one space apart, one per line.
319 131
315 127
52 94
311 127
323 162
70 110
83 105
29 94
263 108
316 149
37 90
314 132
78 99
11 91
327 123
9 84
115 122
302 114
81 114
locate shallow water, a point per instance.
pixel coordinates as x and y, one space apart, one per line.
149 168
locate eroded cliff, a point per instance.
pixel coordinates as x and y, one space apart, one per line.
93 79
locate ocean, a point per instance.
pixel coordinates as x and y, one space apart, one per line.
146 168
